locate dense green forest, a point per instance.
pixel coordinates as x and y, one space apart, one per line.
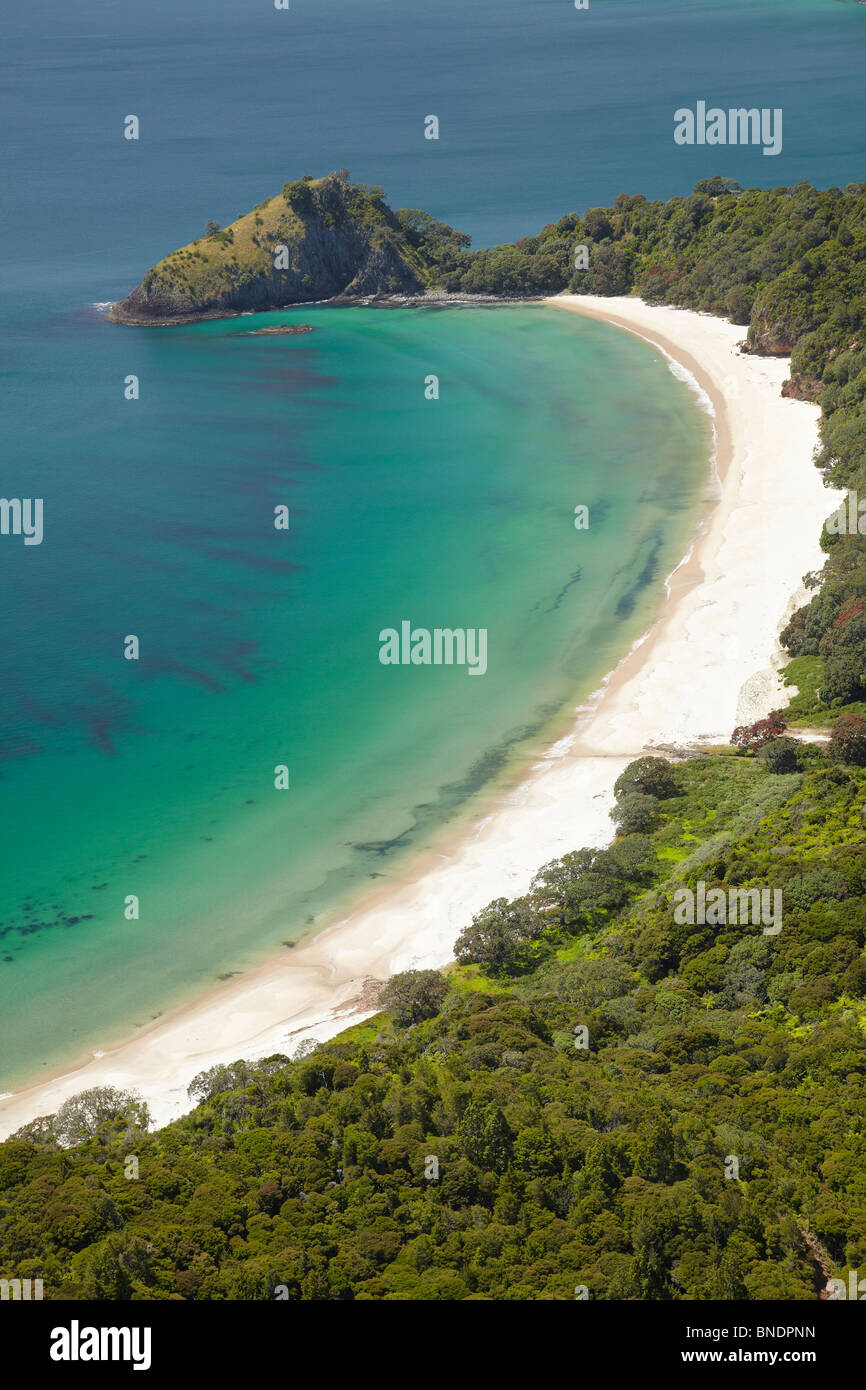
600 1098
789 263
702 1139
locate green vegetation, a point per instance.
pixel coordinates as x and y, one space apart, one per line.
558 1165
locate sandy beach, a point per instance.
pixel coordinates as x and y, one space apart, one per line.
709 661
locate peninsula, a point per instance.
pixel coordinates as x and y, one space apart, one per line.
317 239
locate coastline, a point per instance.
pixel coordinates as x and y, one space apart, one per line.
725 605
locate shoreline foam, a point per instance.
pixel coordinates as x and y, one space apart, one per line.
708 661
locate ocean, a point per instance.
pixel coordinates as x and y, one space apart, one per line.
148 786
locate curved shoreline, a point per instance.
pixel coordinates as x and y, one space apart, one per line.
674 687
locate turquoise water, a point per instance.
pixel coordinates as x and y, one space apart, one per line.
260 648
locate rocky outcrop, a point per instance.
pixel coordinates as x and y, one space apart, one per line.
278 330
768 337
802 388
318 239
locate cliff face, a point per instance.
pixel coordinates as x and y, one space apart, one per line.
802 388
768 336
318 239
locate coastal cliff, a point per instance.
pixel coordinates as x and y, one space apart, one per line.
317 239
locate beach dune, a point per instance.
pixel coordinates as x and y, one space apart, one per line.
709 661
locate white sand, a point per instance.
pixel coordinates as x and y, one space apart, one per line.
709 662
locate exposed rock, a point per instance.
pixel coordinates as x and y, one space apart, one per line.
802 388
280 328
768 338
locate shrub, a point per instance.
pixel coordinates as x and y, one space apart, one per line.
814 886
497 933
848 740
781 755
207 1084
751 737
413 995
634 812
844 680
652 776
299 196
81 1116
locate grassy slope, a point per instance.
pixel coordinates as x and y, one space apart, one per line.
246 241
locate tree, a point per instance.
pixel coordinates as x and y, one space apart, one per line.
844 680
651 776
211 227
39 1132
751 737
653 1151
746 971
598 1176
715 186
299 196
485 1136
634 812
81 1116
770 1281
597 224
110 1271
414 995
587 884
739 304
635 856
498 933
848 740
438 242
820 885
781 755
208 1084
